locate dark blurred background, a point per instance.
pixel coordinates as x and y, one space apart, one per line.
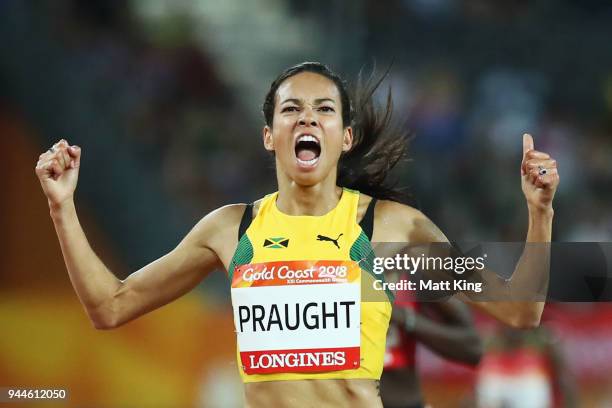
164 97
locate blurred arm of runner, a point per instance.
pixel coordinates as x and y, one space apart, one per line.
447 328
562 376
109 301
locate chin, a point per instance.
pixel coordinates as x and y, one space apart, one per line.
307 176
306 179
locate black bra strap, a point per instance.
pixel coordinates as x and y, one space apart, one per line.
246 220
367 222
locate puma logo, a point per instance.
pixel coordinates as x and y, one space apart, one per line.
324 238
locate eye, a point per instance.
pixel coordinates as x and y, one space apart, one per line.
289 109
326 109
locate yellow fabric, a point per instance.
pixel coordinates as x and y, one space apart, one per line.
302 232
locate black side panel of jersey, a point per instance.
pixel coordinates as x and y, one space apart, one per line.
245 222
367 222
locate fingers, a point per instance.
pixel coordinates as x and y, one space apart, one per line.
542 173
540 164
544 181
56 168
530 154
534 154
63 158
49 168
538 167
61 155
75 155
58 158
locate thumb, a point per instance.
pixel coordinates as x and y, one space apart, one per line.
527 143
75 155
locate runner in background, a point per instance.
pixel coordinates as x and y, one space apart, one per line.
446 328
524 369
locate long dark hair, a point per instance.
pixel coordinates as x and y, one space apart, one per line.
378 143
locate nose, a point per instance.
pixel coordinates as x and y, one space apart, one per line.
307 118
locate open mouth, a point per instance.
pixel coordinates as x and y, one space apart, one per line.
307 150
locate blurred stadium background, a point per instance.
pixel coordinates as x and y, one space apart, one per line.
164 98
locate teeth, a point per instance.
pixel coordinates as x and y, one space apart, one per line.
309 162
307 138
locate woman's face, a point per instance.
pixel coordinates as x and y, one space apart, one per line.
307 135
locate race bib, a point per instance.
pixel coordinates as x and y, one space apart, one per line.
297 316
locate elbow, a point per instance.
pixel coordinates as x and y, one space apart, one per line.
107 322
527 315
104 318
476 352
101 322
108 314
100 325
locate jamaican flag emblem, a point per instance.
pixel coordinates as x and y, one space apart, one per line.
276 243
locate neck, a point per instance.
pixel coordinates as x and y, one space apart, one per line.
318 199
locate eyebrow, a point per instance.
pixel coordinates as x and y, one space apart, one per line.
301 101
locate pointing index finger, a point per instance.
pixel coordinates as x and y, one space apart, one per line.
527 143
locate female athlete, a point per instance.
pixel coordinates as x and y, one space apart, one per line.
305 337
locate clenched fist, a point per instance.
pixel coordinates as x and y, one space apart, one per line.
58 172
539 176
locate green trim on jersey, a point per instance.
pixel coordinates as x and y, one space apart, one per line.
243 255
363 254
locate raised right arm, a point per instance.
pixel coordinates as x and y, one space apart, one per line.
109 301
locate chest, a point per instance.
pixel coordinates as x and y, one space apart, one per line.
302 238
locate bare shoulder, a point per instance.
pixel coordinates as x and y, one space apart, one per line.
216 228
225 217
397 222
228 217
225 221
217 231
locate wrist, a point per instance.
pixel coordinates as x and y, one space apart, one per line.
539 211
58 210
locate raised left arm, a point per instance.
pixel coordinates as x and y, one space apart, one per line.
539 181
517 305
